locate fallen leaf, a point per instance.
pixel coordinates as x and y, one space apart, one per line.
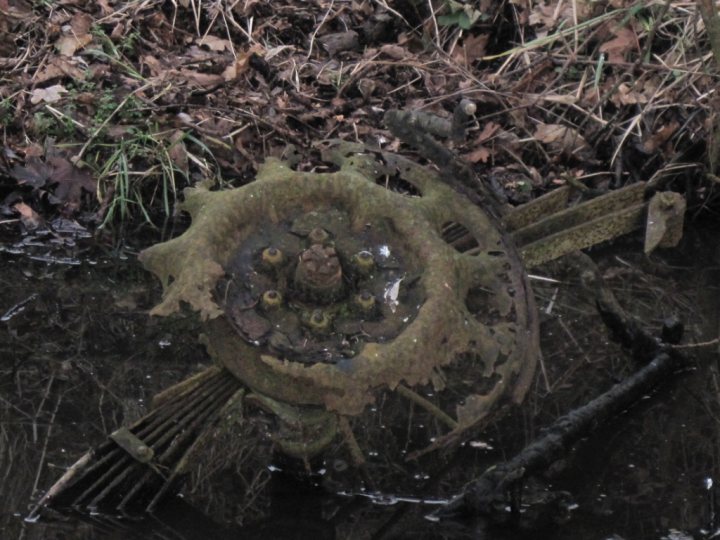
215 43
69 45
488 131
51 94
340 41
58 66
237 68
80 24
391 294
547 15
71 181
396 52
241 63
34 173
471 49
627 95
624 41
206 80
480 154
28 217
178 152
562 139
659 138
250 324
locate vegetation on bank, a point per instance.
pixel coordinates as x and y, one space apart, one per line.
108 109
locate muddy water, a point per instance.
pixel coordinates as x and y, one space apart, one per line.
79 357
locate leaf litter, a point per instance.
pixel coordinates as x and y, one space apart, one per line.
142 99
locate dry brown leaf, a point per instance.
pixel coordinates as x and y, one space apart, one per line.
215 43
480 154
548 16
69 45
80 24
562 139
58 66
471 49
206 80
340 41
487 132
660 137
154 64
624 41
51 94
241 63
71 181
18 11
34 173
28 217
627 95
396 52
105 7
178 152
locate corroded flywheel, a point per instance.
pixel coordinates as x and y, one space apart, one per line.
323 290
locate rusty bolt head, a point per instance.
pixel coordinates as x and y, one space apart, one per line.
271 299
363 261
272 256
319 321
319 266
318 236
365 300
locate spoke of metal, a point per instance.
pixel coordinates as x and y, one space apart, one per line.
186 458
110 478
181 438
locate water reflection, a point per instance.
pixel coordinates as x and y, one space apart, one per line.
79 357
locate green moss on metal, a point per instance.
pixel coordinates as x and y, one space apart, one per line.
502 340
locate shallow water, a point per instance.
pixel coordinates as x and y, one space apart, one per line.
80 357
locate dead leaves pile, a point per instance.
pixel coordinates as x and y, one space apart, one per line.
595 90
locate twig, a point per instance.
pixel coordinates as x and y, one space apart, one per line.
487 495
319 26
46 394
45 443
709 343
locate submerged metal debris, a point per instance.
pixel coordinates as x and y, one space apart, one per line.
326 294
137 466
324 290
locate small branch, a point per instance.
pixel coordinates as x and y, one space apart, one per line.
43 454
487 495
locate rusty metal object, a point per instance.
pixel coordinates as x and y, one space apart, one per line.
137 466
546 238
325 294
380 288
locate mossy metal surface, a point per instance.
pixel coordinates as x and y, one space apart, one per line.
444 302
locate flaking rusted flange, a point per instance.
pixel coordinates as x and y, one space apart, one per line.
474 334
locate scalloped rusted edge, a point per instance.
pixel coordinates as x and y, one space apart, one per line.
189 267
